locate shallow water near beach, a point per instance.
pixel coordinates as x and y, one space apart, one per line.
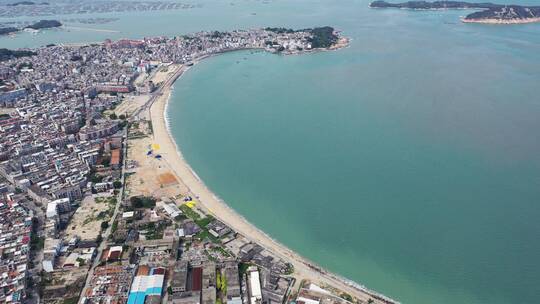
408 162
427 193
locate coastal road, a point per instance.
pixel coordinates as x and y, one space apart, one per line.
179 69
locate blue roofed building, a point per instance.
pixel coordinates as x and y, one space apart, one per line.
147 285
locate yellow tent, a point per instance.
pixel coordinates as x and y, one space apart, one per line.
155 147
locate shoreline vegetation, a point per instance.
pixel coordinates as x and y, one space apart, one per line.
489 13
304 270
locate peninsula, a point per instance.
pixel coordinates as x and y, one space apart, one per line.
90 168
489 12
45 24
42 24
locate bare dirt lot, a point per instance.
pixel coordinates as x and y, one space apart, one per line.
86 222
130 104
151 176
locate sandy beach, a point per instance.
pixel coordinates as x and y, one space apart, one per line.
209 202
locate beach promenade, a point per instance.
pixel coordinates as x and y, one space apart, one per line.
209 202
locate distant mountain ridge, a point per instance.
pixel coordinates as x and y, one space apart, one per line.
491 12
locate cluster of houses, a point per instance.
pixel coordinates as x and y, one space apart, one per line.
15 239
194 259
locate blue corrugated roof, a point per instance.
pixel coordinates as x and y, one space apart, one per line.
132 297
136 297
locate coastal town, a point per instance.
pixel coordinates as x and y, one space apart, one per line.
99 207
76 7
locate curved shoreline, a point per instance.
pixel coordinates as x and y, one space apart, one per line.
304 269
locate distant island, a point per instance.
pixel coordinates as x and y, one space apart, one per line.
26 3
42 24
491 13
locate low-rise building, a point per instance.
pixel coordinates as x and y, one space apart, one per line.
179 277
147 285
254 285
109 284
15 232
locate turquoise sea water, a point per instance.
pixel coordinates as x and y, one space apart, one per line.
409 162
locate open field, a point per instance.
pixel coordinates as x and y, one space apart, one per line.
86 222
130 104
151 176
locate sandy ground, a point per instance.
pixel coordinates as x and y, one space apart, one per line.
130 104
151 176
173 160
164 73
86 222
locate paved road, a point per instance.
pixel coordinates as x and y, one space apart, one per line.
158 92
104 243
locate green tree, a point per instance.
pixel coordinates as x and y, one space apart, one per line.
347 297
96 179
106 161
142 202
